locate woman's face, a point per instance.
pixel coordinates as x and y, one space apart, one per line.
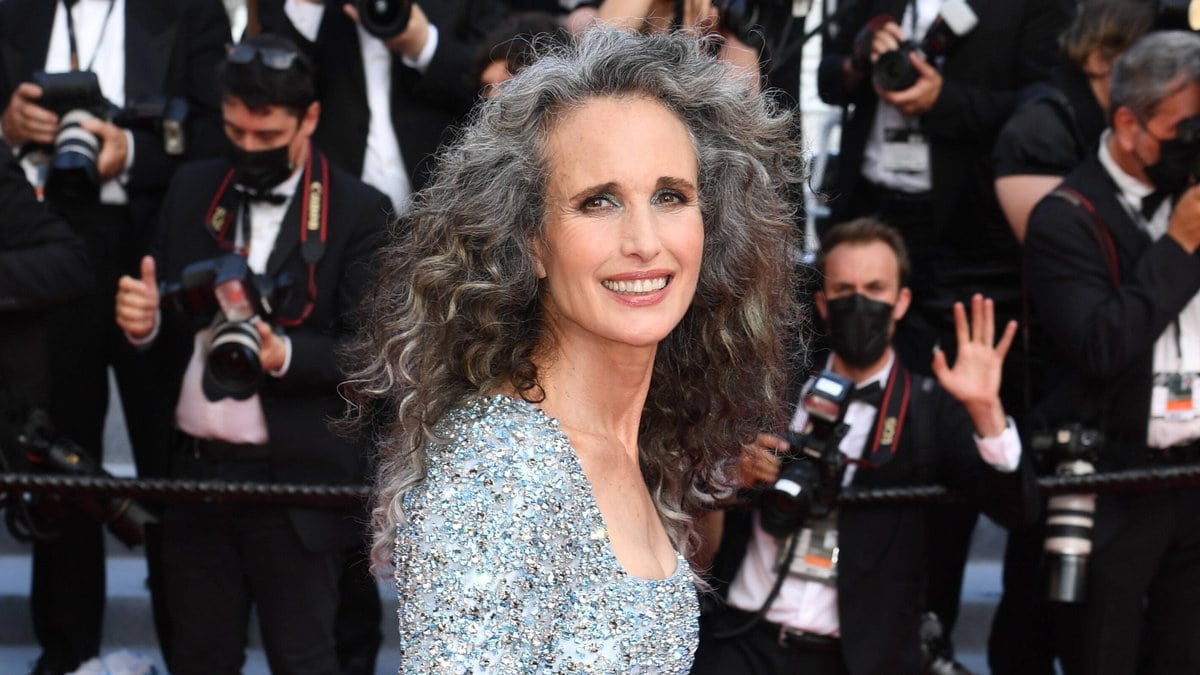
624 236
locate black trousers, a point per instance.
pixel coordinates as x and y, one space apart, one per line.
757 651
221 559
1142 613
68 584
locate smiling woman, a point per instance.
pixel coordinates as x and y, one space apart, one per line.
577 328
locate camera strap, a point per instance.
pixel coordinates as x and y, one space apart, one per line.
314 222
1100 231
893 410
74 44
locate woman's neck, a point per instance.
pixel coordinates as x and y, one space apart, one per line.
600 392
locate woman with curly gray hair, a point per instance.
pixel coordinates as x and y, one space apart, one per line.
579 327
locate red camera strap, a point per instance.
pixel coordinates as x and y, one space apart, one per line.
222 212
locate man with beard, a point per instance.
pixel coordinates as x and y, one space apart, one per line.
850 596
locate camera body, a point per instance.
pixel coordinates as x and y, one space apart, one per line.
225 294
893 71
72 176
756 22
383 18
810 478
43 447
1070 517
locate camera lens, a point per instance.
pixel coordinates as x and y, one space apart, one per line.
232 367
384 18
893 71
1069 521
72 177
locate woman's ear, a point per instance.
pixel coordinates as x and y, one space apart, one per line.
538 252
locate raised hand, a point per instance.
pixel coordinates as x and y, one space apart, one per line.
137 301
975 378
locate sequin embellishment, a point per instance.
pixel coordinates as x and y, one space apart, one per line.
504 565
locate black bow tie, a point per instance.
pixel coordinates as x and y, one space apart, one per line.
1151 202
261 197
871 394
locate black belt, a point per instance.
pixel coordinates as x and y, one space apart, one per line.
785 636
207 448
803 641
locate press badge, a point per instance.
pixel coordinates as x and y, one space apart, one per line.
816 554
1175 396
905 150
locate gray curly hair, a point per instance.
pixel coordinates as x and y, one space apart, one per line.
456 308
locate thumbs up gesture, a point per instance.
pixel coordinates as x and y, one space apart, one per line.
137 301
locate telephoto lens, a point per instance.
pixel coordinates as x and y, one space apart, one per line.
233 367
1071 517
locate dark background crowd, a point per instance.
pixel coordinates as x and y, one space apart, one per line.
136 152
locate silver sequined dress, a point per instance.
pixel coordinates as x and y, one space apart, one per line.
504 565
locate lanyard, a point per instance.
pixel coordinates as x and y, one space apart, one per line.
67 4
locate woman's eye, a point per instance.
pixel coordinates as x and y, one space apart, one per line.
597 202
670 197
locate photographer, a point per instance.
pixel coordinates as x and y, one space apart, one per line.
137 51
1111 262
391 90
852 593
917 136
279 207
42 264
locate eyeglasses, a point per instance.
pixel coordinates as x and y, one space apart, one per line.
271 57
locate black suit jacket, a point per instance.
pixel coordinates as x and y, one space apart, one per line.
298 405
1013 45
42 264
883 550
1101 334
172 48
424 107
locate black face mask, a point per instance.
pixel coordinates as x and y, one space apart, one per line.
1176 157
858 328
260 170
1176 160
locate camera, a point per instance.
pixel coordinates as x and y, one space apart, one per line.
43 447
811 476
1070 517
383 18
223 293
72 176
894 71
757 22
